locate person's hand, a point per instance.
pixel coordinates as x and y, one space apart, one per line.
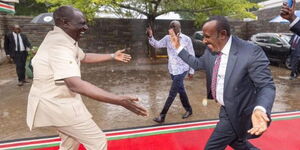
120 56
288 13
174 39
149 32
259 122
129 103
190 76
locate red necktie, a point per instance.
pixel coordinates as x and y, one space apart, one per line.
215 76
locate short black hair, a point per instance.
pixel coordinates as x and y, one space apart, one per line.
222 24
63 12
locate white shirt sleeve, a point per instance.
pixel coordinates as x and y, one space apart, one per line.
260 108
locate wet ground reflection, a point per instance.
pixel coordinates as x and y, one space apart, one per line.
149 81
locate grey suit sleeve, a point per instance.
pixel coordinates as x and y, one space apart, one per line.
260 75
192 61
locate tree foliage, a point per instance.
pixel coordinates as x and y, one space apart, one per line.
29 8
194 9
88 7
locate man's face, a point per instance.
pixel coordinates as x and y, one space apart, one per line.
16 29
175 27
77 26
211 37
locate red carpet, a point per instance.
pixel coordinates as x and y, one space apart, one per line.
283 134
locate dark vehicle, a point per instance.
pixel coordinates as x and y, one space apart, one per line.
198 45
275 45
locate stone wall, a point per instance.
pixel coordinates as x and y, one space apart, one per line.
108 35
268 14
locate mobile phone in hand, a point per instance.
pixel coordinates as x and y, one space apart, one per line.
289 3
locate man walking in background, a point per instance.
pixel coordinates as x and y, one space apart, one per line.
16 46
177 68
295 56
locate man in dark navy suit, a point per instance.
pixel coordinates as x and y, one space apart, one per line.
295 56
238 78
16 46
288 13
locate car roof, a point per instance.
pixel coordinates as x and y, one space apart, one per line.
270 33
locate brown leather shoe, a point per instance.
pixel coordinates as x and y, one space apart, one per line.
187 114
160 118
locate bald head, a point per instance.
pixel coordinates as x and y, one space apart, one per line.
64 13
70 20
16 28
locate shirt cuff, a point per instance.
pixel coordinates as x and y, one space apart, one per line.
260 108
294 22
179 49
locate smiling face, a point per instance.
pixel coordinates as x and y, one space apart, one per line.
215 40
76 25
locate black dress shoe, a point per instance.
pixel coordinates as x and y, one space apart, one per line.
187 114
160 118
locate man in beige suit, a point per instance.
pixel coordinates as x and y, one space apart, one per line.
54 99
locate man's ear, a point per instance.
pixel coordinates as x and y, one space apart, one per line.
65 23
223 34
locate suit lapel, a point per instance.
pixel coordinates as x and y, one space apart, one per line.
231 61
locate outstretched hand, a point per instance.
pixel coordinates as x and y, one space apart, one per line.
120 56
288 13
129 103
259 122
149 32
174 39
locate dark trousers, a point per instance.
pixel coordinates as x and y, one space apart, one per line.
177 87
295 64
224 135
20 61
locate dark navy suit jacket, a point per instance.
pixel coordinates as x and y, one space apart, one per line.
10 46
296 50
248 81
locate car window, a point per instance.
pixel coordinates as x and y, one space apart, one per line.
274 40
262 39
198 35
286 38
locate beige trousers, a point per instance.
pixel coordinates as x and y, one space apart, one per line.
86 133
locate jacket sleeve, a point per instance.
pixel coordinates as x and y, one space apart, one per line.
192 61
260 75
26 41
6 44
296 28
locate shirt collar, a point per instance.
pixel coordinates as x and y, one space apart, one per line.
227 46
58 29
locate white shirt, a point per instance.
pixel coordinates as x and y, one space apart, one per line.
222 70
176 65
22 48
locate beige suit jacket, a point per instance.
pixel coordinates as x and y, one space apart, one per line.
50 101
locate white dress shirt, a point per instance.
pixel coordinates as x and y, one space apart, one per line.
222 70
22 48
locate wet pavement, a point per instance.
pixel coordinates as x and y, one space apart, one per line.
147 79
